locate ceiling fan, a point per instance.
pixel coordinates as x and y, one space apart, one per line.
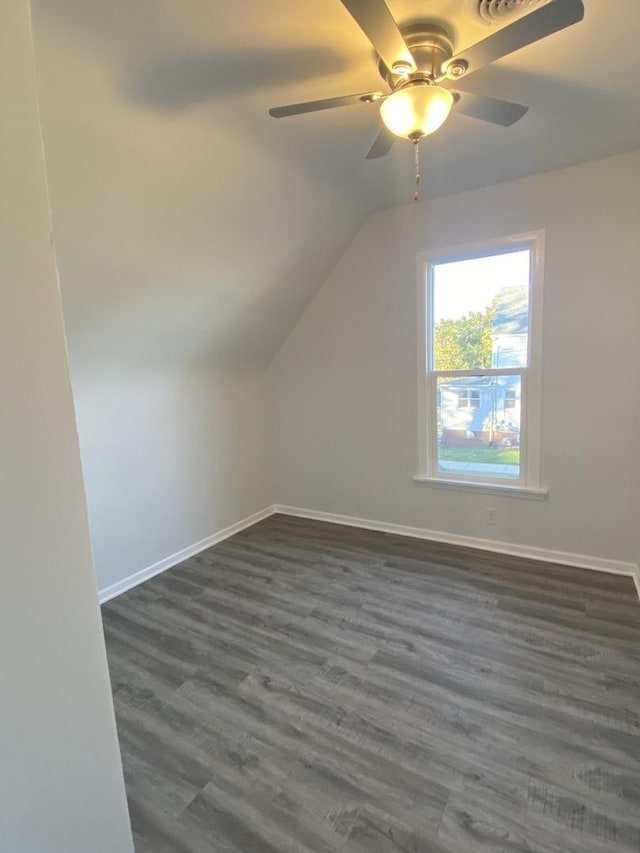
420 67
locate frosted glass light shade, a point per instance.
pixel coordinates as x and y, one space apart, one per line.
416 111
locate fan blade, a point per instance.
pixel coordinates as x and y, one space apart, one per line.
377 23
536 25
382 145
325 104
494 110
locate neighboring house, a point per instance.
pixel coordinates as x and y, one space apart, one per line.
485 410
510 328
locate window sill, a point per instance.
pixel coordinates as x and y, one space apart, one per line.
536 493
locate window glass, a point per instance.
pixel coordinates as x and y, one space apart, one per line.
481 312
479 439
477 342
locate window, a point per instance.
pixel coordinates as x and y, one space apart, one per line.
480 336
466 399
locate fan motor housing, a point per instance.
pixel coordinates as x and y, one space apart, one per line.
431 47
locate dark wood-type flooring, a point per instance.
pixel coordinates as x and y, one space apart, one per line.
307 688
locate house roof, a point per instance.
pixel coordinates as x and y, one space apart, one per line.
511 312
191 226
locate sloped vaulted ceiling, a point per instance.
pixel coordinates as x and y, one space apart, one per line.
191 225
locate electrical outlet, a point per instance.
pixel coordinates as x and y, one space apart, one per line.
492 513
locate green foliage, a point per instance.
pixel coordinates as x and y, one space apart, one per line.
465 343
494 455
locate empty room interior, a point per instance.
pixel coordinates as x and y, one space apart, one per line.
320 399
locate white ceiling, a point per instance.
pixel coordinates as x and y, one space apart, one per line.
190 225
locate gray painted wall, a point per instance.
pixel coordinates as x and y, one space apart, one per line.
61 787
345 383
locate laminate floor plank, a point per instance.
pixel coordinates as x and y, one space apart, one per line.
305 687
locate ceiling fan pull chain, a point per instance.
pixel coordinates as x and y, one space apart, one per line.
416 143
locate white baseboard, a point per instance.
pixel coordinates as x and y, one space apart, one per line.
129 582
636 579
580 561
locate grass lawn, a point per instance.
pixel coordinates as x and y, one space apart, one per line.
496 455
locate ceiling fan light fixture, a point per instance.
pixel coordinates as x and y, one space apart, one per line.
416 111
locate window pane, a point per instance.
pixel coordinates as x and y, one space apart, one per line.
481 312
479 426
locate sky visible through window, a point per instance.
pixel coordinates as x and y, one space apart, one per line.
470 285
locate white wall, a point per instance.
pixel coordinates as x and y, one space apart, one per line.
344 382
175 284
170 458
61 787
166 327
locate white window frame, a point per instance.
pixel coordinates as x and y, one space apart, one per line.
529 483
